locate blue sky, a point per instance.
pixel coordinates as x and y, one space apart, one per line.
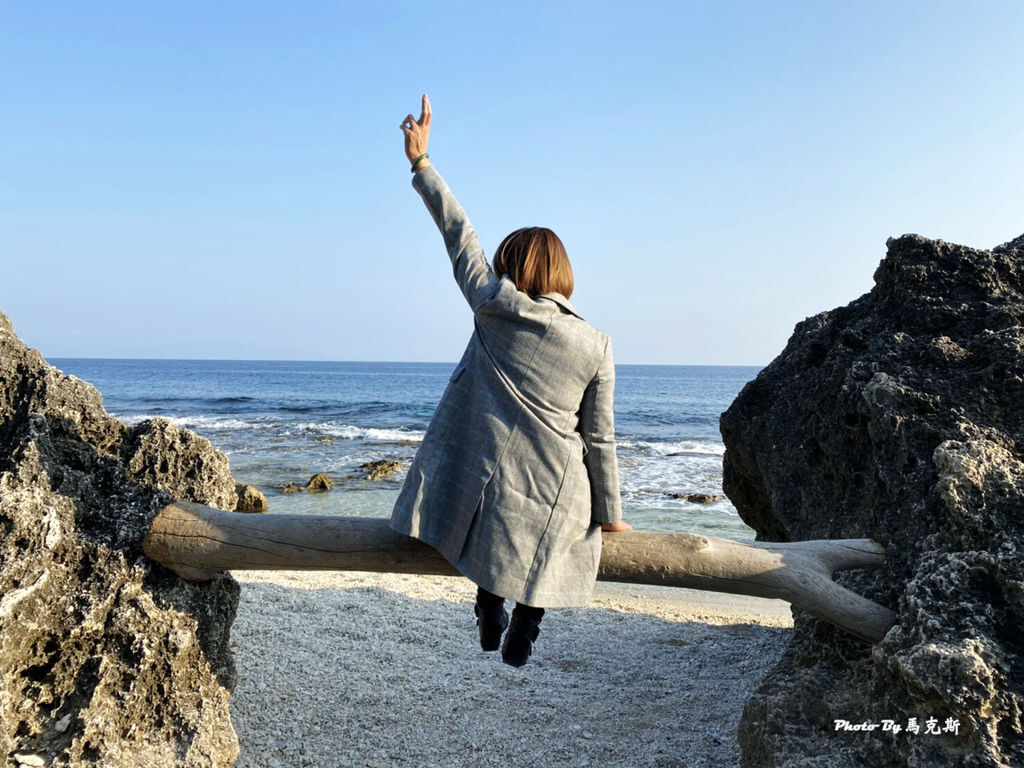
226 180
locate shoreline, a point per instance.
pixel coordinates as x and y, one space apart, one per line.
334 417
367 669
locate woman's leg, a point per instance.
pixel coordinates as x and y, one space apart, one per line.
491 618
522 633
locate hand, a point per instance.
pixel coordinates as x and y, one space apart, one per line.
417 133
620 527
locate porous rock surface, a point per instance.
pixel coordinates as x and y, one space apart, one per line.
899 417
106 659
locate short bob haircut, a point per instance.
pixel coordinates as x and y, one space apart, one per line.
535 260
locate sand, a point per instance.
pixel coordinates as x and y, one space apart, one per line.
358 669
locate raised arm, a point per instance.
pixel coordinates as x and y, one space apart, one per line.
472 272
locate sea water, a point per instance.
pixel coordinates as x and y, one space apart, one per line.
282 421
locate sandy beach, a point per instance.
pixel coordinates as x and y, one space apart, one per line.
358 669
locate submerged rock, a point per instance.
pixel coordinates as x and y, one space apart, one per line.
250 499
899 417
106 659
291 488
380 469
698 498
321 481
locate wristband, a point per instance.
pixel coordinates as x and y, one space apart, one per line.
418 160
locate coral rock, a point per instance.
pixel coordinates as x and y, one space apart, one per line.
899 417
106 659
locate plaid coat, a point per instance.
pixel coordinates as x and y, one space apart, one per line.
517 468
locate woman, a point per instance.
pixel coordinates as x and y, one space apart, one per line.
517 476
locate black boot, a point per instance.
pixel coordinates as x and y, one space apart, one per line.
522 633
491 618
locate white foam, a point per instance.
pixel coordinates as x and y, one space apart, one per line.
195 422
131 421
349 432
684 447
649 474
332 429
214 422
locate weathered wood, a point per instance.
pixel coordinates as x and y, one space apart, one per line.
196 541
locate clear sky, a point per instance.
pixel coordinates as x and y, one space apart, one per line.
226 179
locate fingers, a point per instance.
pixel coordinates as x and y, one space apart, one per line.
409 124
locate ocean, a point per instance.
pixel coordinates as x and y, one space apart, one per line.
282 421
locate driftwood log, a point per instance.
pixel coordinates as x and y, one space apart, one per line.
196 541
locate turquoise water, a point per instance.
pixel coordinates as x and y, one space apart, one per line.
283 421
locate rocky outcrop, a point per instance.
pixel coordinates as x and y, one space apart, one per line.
106 659
899 417
160 455
250 499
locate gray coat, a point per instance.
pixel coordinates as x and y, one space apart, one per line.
517 469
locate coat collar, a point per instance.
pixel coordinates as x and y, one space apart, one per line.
561 301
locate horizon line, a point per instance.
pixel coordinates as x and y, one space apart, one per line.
381 362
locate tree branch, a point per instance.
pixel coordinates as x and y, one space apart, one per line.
196 541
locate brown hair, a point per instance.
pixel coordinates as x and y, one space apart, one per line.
535 260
